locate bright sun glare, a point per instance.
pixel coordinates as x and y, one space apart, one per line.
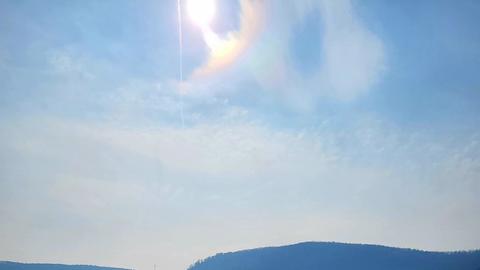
201 11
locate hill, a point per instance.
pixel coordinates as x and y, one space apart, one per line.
45 266
339 256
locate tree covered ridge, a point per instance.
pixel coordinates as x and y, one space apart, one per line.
339 256
8 265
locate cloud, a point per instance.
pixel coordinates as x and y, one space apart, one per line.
109 161
353 58
64 63
158 187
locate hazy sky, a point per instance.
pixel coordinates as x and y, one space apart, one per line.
351 121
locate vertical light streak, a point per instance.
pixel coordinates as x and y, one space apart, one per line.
180 57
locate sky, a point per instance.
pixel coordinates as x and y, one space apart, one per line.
312 120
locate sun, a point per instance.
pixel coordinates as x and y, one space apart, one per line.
201 11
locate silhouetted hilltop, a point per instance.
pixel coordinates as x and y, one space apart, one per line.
47 266
338 256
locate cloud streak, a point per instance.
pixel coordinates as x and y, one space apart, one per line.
103 179
91 140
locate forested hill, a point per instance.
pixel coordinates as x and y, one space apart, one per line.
44 266
338 256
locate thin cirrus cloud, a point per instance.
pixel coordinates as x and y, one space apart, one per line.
94 144
106 180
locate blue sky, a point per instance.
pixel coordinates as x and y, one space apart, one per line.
331 120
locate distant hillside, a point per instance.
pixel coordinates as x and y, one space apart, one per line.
44 266
337 256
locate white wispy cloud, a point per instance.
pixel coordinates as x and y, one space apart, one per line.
106 179
122 173
353 57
